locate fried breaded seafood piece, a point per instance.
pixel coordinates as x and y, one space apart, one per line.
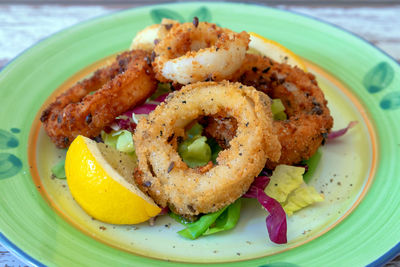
190 191
220 127
308 116
199 51
117 88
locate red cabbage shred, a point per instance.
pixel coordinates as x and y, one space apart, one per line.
276 220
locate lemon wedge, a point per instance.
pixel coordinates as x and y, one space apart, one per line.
100 179
145 38
274 50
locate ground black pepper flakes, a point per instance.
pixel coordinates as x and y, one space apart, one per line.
45 115
170 138
171 166
152 56
196 21
98 139
266 70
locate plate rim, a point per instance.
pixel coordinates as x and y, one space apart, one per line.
8 244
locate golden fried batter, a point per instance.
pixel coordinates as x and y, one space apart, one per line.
169 181
309 118
126 83
198 51
220 127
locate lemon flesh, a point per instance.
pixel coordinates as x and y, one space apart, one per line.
100 179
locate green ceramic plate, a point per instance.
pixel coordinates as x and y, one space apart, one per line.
357 224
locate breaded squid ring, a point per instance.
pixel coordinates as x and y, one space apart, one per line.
199 51
308 116
126 83
170 182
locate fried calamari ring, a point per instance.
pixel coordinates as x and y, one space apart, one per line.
126 83
193 52
169 181
309 118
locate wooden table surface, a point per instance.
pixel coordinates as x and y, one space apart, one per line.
24 22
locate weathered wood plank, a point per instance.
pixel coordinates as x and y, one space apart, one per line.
380 26
23 25
150 2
